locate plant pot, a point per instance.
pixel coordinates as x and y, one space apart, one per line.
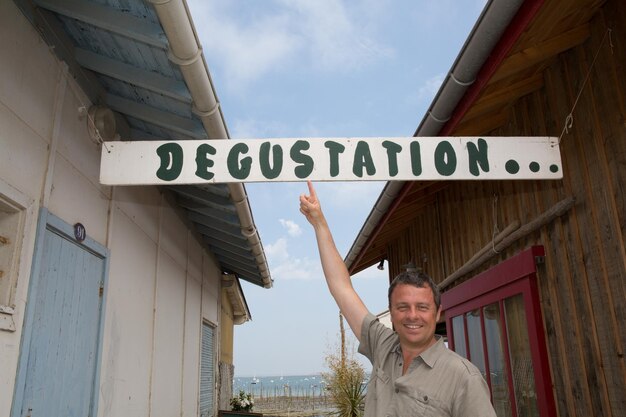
225 413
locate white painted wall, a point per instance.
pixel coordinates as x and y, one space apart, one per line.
385 318
161 285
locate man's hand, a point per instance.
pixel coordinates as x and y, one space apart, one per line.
310 207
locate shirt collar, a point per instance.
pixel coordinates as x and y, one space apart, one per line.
430 355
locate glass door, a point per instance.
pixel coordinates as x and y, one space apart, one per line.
491 319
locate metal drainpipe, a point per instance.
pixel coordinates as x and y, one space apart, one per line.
186 51
230 284
512 33
497 29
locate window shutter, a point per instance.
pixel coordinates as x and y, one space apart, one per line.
207 372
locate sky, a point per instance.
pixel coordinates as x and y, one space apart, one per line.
320 68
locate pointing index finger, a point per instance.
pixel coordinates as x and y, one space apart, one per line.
311 190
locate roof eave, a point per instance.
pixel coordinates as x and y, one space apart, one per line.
186 51
497 29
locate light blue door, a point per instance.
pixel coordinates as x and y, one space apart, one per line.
60 364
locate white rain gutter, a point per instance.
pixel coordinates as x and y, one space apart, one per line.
186 51
486 33
240 311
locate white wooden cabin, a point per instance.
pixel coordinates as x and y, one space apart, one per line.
114 301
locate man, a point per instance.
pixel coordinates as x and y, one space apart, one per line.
413 373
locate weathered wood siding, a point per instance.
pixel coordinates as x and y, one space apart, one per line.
583 283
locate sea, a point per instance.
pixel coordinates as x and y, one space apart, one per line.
279 385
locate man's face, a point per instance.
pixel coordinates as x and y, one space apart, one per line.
414 316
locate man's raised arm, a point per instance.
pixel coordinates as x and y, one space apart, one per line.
335 271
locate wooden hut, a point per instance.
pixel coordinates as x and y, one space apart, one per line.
114 301
533 273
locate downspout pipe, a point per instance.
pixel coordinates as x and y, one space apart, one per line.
232 287
497 29
186 51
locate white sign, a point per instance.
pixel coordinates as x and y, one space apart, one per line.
330 159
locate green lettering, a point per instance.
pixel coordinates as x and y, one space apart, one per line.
478 155
393 149
363 158
334 149
416 158
236 168
267 170
306 162
445 158
203 163
171 155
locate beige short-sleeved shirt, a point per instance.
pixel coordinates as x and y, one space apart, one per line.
438 382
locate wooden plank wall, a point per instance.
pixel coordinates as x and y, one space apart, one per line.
583 282
420 236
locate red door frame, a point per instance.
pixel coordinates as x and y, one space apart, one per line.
517 275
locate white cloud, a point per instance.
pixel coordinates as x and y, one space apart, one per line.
286 267
336 36
430 87
328 36
293 229
278 251
296 269
425 92
246 49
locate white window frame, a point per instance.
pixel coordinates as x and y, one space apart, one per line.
18 209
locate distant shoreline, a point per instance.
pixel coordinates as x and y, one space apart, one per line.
277 376
309 385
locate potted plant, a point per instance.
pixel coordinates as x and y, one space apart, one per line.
241 405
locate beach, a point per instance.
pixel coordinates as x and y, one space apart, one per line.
273 386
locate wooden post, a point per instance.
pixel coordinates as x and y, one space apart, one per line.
343 342
491 245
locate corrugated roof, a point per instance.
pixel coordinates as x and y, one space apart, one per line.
120 55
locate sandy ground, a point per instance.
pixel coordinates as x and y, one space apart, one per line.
293 406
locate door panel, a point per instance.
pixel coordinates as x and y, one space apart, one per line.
521 357
475 338
499 377
458 335
66 315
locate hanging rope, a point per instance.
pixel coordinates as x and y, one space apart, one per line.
569 119
494 216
